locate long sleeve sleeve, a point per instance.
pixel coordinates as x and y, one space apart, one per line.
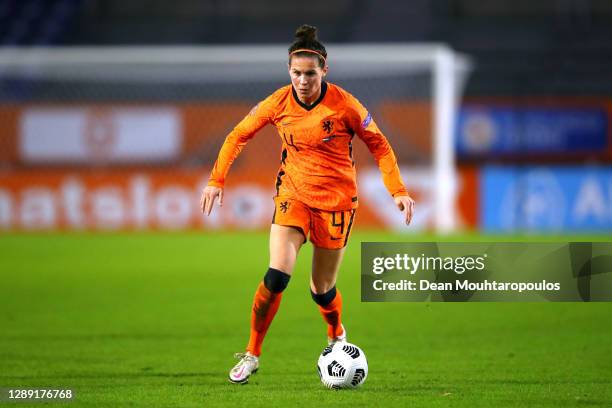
257 118
364 126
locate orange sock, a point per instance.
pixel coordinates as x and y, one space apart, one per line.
265 305
332 314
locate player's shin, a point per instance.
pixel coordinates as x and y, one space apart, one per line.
265 305
330 305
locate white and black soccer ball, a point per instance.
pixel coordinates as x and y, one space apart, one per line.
342 365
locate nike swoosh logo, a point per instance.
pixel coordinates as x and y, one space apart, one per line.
240 373
335 239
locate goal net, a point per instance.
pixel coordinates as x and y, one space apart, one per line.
168 110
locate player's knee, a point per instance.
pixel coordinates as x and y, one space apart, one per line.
324 299
276 281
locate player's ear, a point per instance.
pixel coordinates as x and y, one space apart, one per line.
325 68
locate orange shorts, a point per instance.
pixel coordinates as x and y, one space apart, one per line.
327 229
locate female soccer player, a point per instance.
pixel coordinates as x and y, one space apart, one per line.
316 191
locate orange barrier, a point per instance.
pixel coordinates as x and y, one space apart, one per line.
9 122
133 196
26 131
168 199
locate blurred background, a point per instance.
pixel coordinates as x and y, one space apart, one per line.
112 112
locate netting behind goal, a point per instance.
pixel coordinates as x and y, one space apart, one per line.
171 108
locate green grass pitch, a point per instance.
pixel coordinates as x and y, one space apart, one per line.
152 320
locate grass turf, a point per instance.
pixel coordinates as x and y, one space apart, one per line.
153 320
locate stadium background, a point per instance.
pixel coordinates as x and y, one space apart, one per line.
113 281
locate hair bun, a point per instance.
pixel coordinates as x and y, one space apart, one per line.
306 33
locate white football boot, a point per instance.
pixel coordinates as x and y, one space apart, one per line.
338 339
247 365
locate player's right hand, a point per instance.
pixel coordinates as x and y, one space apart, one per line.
209 195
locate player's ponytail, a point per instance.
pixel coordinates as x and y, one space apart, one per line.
306 43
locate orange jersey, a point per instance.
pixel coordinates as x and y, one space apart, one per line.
316 167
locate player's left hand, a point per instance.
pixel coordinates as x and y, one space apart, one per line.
209 195
405 203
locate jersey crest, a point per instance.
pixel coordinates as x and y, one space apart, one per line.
328 126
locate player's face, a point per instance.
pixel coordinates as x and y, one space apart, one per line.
306 76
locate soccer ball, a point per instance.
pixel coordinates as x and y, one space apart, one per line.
342 365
